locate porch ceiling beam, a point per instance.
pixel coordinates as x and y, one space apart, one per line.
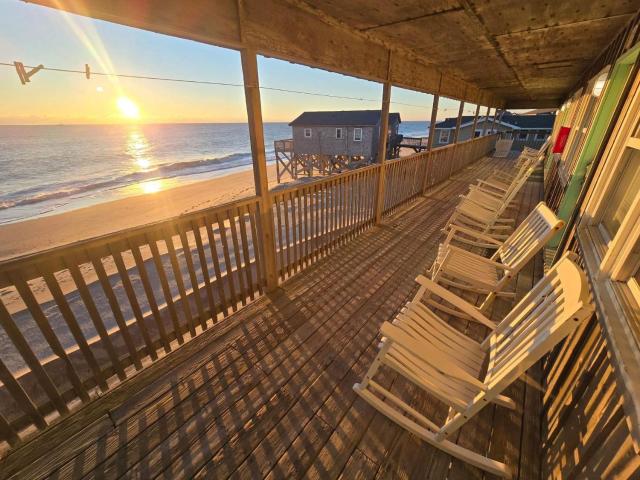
286 29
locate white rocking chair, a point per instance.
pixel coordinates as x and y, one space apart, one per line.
465 270
448 365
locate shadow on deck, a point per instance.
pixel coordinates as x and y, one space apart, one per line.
269 392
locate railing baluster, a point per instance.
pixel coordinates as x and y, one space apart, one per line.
74 327
213 246
245 251
257 246
20 396
227 262
6 430
43 324
151 299
306 225
298 195
117 312
96 319
133 301
204 268
186 252
236 256
287 233
23 347
177 275
166 289
294 234
277 206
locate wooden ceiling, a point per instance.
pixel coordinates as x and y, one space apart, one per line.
514 53
530 52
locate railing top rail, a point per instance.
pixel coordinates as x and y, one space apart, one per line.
324 180
21 261
443 148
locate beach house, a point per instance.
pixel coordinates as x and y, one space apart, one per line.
525 130
444 315
329 141
353 133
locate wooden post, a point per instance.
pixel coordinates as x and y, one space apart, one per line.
484 124
256 137
432 129
382 142
432 125
493 122
475 122
458 122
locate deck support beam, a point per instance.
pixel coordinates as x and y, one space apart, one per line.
382 142
456 133
434 119
475 122
486 120
432 130
256 136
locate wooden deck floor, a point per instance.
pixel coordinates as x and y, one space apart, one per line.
268 394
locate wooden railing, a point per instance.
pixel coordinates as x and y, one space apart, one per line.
81 318
312 219
408 177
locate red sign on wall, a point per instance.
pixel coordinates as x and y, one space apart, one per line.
561 140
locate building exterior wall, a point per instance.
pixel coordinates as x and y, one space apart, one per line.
590 412
533 139
466 132
323 140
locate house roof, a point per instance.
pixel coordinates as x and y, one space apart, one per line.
543 121
343 117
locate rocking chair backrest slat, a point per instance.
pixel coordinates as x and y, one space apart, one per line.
545 316
530 236
541 319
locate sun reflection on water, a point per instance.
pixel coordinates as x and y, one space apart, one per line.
138 148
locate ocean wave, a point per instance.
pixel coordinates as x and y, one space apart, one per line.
63 190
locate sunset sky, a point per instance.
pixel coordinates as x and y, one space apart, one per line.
33 34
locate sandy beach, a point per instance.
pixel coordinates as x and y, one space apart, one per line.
30 236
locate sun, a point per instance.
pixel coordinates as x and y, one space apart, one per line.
128 108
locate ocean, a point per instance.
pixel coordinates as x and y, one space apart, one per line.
49 169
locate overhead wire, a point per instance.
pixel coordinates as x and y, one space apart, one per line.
216 83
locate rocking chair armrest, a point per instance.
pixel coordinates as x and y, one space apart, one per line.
452 298
472 233
441 363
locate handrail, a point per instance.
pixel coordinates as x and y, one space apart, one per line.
87 315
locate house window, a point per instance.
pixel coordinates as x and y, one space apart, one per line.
623 192
477 133
444 136
357 134
522 135
339 133
307 133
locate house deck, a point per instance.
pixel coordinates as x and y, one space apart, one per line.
269 394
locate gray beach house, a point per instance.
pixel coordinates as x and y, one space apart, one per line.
352 133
